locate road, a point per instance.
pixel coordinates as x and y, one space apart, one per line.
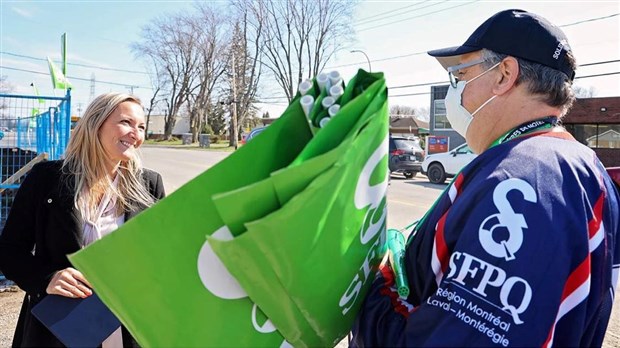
407 199
178 166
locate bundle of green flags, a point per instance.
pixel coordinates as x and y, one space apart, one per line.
273 246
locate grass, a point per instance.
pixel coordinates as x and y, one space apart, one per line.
221 145
174 141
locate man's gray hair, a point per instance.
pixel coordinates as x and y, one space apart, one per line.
552 86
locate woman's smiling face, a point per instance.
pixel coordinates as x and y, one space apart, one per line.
123 132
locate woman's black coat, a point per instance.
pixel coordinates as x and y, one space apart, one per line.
42 228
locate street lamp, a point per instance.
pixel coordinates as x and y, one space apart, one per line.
365 55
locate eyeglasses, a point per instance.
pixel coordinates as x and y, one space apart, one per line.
452 69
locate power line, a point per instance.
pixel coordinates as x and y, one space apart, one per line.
597 63
589 20
391 87
424 93
391 11
445 82
597 75
424 52
449 8
75 64
437 83
402 13
273 103
74 78
408 94
379 60
420 84
418 16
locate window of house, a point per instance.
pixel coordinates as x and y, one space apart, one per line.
608 136
601 136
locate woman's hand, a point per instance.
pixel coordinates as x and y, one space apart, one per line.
69 282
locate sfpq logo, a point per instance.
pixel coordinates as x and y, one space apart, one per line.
501 236
505 219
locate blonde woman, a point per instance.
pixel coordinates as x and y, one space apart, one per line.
63 206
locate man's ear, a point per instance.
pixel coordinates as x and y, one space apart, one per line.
509 70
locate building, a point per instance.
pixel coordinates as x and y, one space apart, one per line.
408 126
594 122
438 123
156 125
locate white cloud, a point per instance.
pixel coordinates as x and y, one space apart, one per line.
22 12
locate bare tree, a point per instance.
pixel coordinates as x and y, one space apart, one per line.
149 110
244 66
402 111
299 36
158 84
422 113
5 87
583 92
208 23
172 44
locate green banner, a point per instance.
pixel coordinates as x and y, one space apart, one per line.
63 52
274 255
59 81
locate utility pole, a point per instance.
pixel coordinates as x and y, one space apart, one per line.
234 102
92 87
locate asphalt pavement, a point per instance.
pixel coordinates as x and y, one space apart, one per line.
408 199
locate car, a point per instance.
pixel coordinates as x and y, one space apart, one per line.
254 132
406 157
440 166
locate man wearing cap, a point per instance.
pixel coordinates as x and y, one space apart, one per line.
523 247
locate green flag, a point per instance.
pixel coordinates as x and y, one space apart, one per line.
63 52
59 81
295 238
35 111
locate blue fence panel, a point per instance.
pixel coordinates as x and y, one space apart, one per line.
30 126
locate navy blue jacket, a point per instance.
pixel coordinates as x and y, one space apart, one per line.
522 249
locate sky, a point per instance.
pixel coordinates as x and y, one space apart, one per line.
395 35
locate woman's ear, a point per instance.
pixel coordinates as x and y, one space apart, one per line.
509 70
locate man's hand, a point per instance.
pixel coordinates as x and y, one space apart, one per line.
69 282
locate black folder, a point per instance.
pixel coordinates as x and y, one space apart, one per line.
77 322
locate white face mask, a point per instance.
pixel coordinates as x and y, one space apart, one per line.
459 117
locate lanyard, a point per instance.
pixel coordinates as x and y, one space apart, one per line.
527 127
522 129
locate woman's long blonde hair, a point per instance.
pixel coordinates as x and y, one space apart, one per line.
86 159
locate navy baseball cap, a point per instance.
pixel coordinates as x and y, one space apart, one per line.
519 34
